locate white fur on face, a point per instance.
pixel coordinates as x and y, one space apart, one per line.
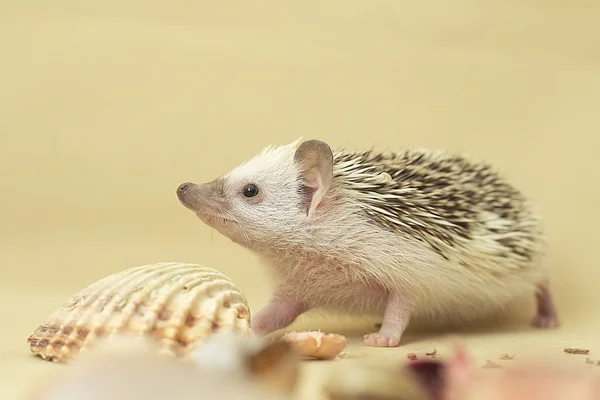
275 210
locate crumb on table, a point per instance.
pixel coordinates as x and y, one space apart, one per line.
432 353
412 356
574 350
507 356
490 364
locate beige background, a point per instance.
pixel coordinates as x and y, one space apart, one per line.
106 106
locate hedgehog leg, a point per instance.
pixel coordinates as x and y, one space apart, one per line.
277 314
395 320
547 316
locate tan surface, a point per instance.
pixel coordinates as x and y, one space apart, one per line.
106 108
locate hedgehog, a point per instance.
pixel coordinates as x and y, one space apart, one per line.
412 234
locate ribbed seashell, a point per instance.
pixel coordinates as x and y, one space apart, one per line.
177 304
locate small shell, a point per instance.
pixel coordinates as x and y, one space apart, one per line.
177 304
316 344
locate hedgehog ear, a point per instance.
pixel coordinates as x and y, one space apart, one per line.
316 165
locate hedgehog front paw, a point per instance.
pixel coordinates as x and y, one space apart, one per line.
261 324
276 315
379 339
395 320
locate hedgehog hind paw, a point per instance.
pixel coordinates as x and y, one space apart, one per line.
545 321
547 316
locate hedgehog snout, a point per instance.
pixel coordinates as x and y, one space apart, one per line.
183 187
188 194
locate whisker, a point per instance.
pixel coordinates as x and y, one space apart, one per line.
244 233
224 216
242 230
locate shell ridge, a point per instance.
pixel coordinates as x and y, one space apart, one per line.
207 311
161 314
199 294
72 318
138 297
135 277
76 320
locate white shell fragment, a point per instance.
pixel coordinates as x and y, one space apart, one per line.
177 304
372 379
273 364
127 368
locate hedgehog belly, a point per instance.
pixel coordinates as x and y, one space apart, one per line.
455 296
442 291
331 285
356 299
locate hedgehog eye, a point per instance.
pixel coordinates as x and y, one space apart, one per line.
251 190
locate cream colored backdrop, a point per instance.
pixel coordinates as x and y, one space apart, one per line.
106 106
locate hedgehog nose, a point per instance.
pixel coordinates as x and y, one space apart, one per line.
183 187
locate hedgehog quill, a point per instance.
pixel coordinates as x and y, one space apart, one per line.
412 234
